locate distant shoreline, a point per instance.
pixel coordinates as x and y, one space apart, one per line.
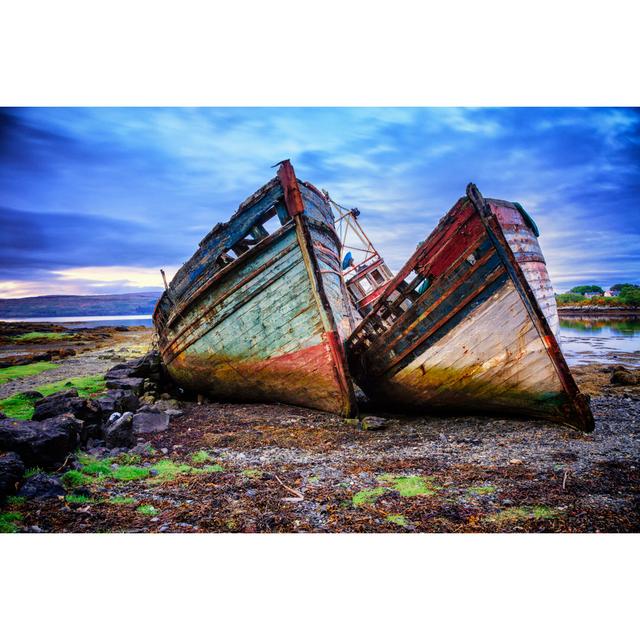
595 311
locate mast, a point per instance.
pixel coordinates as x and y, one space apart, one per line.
363 268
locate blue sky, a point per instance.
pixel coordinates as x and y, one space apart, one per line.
98 200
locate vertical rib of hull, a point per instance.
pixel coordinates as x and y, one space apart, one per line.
263 327
475 337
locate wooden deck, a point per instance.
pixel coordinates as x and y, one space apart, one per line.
464 327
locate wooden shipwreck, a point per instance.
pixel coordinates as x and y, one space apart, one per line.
261 313
469 323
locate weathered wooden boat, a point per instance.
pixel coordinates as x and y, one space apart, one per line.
468 323
259 314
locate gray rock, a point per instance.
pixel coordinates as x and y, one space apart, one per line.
174 413
146 422
126 384
56 404
119 433
41 444
171 403
11 471
42 486
150 408
119 400
141 449
122 370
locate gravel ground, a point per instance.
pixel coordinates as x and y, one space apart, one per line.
279 468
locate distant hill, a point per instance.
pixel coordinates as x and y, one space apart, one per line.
123 304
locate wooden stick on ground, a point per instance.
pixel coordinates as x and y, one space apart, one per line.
294 492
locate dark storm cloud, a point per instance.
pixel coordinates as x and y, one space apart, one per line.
53 241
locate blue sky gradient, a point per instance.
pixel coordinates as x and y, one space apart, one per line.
97 200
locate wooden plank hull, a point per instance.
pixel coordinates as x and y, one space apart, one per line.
464 327
271 324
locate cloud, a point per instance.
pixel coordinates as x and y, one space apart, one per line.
106 192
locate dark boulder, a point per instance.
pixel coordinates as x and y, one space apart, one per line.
41 444
150 422
146 366
41 486
56 404
624 377
126 384
118 400
32 395
11 471
119 371
119 432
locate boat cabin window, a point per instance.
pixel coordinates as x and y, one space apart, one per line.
366 285
377 276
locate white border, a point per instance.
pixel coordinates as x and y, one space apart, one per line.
334 52
492 53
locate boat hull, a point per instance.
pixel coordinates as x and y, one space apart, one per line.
474 337
270 326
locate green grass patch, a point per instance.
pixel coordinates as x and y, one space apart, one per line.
481 490
42 335
210 468
121 500
200 457
410 486
76 478
32 471
20 407
15 501
8 520
252 473
86 386
127 473
93 467
24 370
515 514
368 496
397 518
168 470
72 499
147 510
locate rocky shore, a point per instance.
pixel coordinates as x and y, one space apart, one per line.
140 455
590 311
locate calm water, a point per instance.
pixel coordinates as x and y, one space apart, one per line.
78 322
601 340
583 341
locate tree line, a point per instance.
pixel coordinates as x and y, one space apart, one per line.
628 295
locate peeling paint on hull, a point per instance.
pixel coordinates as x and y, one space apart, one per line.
270 325
464 327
